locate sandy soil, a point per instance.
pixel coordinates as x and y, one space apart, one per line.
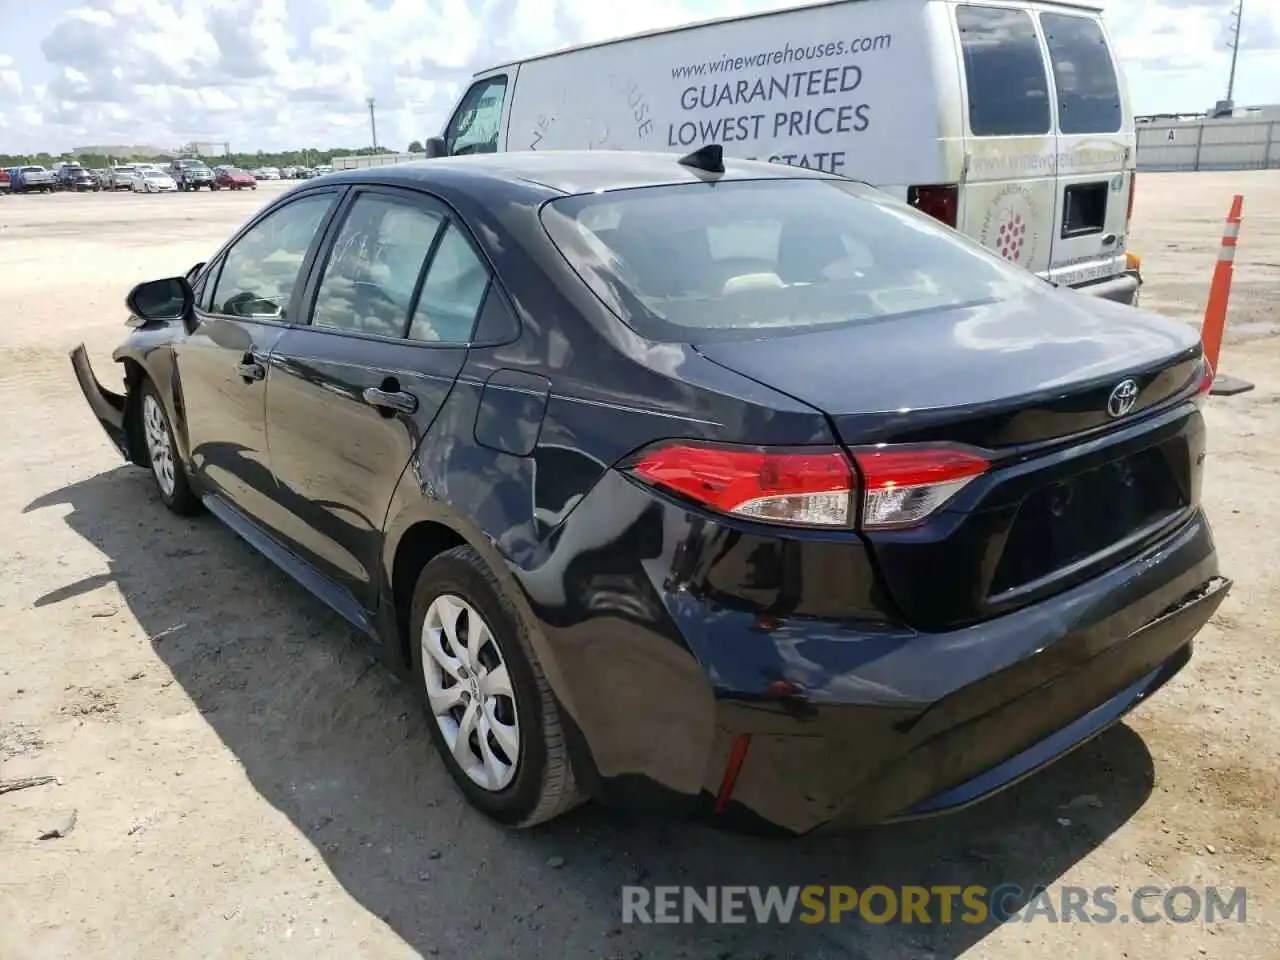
246 782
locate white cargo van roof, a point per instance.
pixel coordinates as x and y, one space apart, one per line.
1093 6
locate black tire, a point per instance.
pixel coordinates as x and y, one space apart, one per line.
183 500
543 787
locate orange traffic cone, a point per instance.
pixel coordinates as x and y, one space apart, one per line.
1215 312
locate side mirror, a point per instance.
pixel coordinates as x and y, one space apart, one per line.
436 147
157 301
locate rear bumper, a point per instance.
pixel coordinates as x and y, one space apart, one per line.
849 717
1122 288
936 722
109 407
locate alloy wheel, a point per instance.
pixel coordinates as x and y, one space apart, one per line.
470 692
159 445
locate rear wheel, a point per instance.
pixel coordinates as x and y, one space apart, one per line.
162 454
490 710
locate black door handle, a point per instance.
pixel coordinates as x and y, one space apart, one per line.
396 400
251 370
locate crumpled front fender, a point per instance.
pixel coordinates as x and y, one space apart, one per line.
109 407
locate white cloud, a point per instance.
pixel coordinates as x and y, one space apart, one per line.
281 73
10 79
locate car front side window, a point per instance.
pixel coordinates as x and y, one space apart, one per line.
260 270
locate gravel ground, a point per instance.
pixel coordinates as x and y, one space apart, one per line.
243 781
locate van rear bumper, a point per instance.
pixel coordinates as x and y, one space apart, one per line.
1122 288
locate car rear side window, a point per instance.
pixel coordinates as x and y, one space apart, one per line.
1004 68
260 270
452 292
373 269
747 258
1084 73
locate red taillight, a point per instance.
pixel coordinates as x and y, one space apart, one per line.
940 201
812 488
904 485
901 485
1133 189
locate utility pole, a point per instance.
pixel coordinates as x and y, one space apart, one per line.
1238 15
373 124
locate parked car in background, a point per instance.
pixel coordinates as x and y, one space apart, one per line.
122 176
866 519
33 178
191 174
6 181
233 178
72 176
151 180
103 176
270 173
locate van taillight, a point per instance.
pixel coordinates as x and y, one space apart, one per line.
940 201
1133 188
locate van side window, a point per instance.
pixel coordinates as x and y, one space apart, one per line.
475 124
1088 92
1008 86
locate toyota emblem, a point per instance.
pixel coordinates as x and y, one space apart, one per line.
1122 398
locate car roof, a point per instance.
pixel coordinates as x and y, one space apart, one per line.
563 172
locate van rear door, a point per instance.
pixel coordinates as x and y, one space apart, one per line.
1009 190
1095 145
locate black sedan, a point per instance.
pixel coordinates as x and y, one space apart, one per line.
705 486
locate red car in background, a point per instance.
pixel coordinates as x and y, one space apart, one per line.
233 178
5 181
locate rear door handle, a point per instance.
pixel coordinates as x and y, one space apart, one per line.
251 370
396 400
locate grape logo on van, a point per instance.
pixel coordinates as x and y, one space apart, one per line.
1010 225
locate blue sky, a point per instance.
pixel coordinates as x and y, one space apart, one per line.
281 73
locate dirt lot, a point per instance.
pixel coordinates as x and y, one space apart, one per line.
245 782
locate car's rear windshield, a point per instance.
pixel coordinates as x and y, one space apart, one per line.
754 258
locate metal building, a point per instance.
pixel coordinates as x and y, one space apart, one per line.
1247 140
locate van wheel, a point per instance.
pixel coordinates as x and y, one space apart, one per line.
490 710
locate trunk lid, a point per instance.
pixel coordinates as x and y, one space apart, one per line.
1073 490
1001 374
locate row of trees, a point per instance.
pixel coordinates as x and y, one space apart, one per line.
308 157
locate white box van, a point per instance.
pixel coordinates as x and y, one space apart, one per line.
1007 120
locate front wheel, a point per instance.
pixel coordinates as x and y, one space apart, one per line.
492 715
162 455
